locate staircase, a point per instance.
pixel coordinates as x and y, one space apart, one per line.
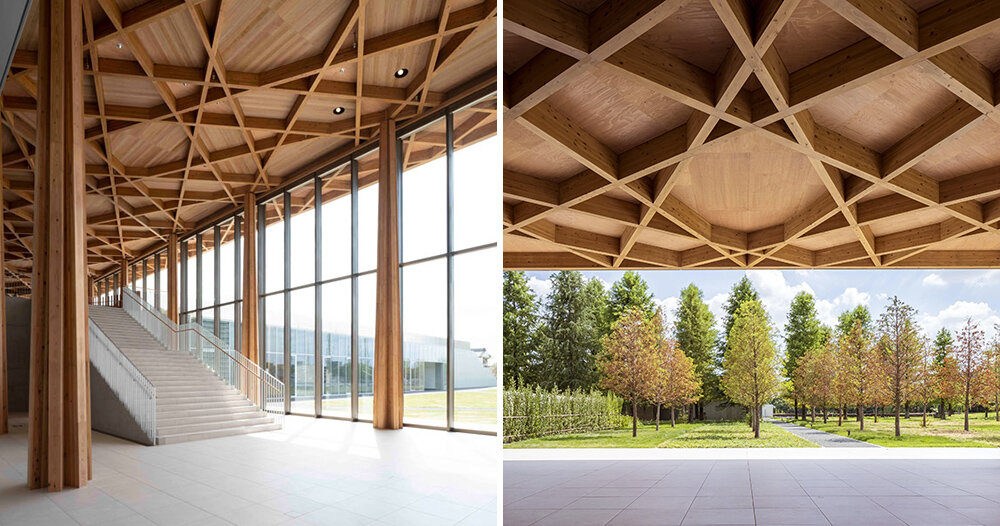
192 402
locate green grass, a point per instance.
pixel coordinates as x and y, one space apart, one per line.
947 432
476 407
697 435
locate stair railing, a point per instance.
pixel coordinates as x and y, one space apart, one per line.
259 386
134 390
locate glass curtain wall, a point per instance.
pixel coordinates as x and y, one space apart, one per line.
106 290
450 269
211 280
317 256
149 279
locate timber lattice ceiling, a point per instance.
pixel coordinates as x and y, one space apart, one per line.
737 134
191 104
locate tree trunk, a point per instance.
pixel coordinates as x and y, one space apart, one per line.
812 411
840 417
796 402
966 409
756 423
897 416
635 419
906 410
941 409
876 414
658 417
996 408
861 417
671 416
824 414
690 413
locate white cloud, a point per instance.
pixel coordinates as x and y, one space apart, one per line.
669 307
986 277
933 280
776 294
540 287
953 317
716 305
828 310
605 284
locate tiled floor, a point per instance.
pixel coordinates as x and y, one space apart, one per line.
823 491
313 472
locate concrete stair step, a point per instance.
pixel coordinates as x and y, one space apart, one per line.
191 406
218 416
212 426
210 411
187 437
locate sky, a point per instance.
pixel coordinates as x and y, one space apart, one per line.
942 298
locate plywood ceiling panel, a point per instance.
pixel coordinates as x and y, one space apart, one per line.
867 139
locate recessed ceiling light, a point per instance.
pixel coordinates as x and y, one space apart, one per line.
342 70
338 110
119 45
401 72
184 84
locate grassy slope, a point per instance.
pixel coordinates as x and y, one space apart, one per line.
938 433
698 435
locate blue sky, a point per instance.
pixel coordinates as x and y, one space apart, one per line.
943 298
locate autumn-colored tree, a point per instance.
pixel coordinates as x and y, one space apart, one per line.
751 361
991 376
629 363
815 378
676 383
969 356
922 389
947 378
901 350
860 366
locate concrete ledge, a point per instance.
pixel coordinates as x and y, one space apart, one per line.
883 453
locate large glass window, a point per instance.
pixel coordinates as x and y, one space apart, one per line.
450 181
336 348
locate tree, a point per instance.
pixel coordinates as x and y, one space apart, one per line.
922 386
859 365
677 383
815 377
695 334
628 292
947 378
847 320
969 355
520 326
597 306
629 363
991 375
742 291
941 347
751 361
802 333
570 335
900 347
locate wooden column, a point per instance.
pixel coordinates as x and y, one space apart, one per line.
3 323
122 273
59 394
173 309
250 325
388 403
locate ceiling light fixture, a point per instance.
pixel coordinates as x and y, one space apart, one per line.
401 72
338 110
184 84
119 45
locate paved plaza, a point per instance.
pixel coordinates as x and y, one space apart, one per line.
869 486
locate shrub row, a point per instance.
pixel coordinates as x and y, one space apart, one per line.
530 412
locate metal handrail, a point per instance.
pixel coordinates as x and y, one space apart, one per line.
136 393
268 393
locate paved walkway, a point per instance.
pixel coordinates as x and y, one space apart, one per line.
820 438
849 492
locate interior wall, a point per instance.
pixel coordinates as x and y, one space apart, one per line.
18 352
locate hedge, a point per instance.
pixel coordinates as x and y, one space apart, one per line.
530 412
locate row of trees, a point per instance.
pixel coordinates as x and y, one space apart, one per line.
641 363
863 364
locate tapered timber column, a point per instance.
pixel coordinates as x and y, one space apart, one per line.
173 311
122 274
3 324
388 410
248 336
59 404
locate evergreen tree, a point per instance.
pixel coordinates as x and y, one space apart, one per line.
802 333
742 291
597 307
520 323
570 337
846 320
942 341
695 334
628 292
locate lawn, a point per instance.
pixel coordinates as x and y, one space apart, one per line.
473 407
947 432
697 435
